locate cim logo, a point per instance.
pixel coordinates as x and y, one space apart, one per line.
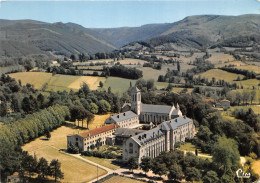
241 174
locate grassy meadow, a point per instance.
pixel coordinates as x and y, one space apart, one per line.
219 75
51 149
102 161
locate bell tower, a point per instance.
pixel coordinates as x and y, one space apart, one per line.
136 100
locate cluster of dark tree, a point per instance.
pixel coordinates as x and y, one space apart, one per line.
31 167
191 80
249 117
100 55
248 74
18 99
99 154
241 41
61 70
177 166
122 71
14 135
201 66
172 76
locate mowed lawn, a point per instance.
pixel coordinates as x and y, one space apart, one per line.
75 170
102 161
119 179
220 75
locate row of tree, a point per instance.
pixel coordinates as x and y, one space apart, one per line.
248 74
122 71
31 166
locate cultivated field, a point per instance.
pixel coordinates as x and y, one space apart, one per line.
220 75
253 68
219 58
235 63
92 81
35 78
117 84
58 81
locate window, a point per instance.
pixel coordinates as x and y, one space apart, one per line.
131 148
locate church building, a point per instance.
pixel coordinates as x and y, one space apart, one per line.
149 112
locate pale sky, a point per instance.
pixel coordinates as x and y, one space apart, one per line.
103 14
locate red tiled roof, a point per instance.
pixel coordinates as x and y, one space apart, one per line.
98 130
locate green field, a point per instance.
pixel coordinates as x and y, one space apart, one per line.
220 75
117 84
75 170
102 161
58 81
253 68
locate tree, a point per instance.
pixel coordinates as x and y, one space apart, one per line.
245 96
42 168
93 108
73 149
55 170
159 168
226 154
132 163
104 106
178 66
210 177
47 134
175 172
101 84
192 174
146 164
252 96
109 90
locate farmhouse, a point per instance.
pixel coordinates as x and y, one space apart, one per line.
88 140
161 138
225 104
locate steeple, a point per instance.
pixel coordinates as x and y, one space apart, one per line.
136 100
